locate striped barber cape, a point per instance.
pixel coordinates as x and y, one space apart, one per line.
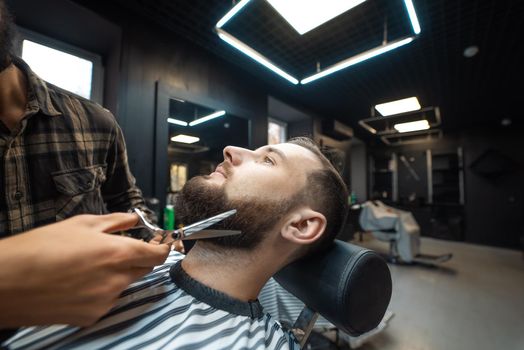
167 309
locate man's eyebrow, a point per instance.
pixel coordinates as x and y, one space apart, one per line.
277 151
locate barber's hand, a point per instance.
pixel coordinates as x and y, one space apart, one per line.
71 272
176 245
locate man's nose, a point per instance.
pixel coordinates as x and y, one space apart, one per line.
235 155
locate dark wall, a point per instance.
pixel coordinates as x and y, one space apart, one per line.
136 55
151 56
493 212
75 25
495 205
358 170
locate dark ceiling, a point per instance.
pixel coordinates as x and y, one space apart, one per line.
477 91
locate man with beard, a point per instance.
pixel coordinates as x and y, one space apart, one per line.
290 203
60 154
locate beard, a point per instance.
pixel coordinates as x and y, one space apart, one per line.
199 200
6 36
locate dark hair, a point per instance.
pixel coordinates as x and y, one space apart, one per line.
7 33
326 193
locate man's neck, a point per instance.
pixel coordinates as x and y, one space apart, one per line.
239 274
13 96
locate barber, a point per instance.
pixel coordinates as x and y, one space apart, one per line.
71 272
60 154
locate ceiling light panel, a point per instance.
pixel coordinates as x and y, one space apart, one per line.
356 59
305 15
237 44
236 9
399 106
185 138
412 126
412 16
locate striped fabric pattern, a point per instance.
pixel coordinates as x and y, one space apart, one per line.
284 306
154 313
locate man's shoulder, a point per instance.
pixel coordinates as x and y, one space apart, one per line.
68 103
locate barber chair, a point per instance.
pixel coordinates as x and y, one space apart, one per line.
350 286
401 230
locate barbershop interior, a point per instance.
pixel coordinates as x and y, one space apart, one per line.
416 104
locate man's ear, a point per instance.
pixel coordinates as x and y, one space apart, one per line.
304 226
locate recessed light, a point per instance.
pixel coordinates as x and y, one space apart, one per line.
304 16
471 51
185 138
412 126
505 122
399 106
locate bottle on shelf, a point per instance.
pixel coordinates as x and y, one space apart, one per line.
169 217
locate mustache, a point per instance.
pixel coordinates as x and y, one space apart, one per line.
227 167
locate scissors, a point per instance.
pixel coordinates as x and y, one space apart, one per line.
193 231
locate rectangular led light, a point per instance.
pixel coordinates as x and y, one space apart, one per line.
185 138
176 121
304 16
207 117
412 16
232 13
237 44
399 106
412 126
357 59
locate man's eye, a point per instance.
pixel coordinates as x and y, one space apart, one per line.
269 160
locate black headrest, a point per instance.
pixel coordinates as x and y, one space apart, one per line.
348 285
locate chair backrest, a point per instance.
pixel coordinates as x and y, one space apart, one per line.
348 285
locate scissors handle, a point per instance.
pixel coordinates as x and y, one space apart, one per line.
144 223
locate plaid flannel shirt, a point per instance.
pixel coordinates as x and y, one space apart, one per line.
67 156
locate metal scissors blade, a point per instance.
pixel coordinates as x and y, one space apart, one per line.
193 231
211 234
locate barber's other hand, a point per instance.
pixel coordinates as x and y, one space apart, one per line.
71 272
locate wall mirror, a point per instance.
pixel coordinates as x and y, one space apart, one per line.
197 136
191 133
